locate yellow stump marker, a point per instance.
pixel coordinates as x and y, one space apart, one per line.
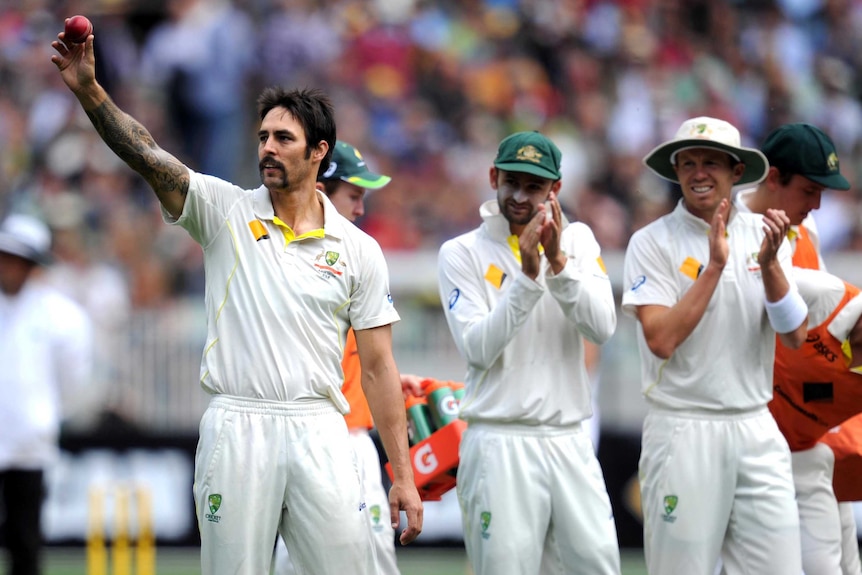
133 532
146 553
97 557
122 559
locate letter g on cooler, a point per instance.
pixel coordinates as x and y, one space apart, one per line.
424 460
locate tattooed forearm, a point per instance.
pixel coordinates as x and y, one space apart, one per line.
134 144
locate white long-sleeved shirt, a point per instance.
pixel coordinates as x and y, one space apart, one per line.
46 362
523 339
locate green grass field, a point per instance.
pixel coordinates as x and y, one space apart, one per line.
412 561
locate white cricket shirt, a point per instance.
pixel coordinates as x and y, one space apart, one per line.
278 312
522 339
726 362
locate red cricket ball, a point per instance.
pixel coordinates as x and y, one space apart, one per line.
77 29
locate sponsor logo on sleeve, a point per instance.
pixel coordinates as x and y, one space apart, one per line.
639 281
453 297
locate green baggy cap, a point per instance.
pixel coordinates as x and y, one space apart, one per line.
348 166
529 152
806 150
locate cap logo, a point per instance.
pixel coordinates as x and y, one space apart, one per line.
832 162
359 160
529 154
333 165
700 130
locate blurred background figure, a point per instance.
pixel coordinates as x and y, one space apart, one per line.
199 62
46 354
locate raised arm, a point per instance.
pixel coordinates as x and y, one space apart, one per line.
132 143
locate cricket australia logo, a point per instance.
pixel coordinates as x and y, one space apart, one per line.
529 154
670 502
326 268
214 502
485 519
374 510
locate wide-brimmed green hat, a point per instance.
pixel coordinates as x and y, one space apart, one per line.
347 165
529 152
705 132
805 150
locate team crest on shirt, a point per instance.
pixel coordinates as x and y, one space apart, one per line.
670 502
485 521
329 264
752 262
214 502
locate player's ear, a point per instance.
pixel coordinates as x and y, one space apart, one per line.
492 175
319 151
738 170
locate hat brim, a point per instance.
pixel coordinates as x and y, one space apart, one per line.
9 245
368 180
830 181
658 160
527 169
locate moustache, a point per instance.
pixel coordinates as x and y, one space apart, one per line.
270 163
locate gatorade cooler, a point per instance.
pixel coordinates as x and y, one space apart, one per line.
435 461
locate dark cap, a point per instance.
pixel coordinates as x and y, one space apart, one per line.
347 165
529 152
805 150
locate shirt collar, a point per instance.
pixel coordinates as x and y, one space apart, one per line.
682 213
333 222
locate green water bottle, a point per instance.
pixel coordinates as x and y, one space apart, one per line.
457 390
441 402
418 420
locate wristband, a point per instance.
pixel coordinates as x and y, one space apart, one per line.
788 313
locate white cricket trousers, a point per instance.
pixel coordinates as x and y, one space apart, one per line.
716 485
264 467
533 500
819 520
377 502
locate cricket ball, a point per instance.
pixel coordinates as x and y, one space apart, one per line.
77 29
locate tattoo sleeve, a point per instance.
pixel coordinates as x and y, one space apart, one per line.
134 144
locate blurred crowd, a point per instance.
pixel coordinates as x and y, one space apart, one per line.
426 89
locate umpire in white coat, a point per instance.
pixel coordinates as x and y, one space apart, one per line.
45 358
